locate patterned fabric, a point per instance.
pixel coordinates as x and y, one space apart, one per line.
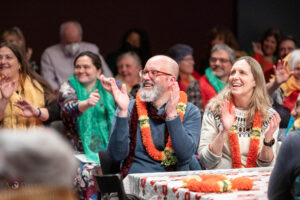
68 102
212 125
194 94
85 182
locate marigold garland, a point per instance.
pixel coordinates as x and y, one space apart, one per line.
166 156
217 183
242 183
254 142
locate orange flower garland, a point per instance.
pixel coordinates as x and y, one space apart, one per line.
217 183
254 142
166 156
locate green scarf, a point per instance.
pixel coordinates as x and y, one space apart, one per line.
95 123
214 81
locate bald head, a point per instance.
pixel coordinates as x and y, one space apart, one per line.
164 64
70 32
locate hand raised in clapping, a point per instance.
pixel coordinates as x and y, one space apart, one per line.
280 71
257 48
28 110
7 87
274 124
120 96
227 115
93 98
173 101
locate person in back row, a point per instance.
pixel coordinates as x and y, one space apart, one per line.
216 76
57 60
129 66
149 132
183 55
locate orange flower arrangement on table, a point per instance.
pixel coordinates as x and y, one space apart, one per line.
217 183
166 156
254 142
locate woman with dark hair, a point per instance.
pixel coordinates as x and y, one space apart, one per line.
133 40
24 94
87 111
265 51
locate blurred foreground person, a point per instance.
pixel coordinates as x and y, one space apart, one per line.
37 164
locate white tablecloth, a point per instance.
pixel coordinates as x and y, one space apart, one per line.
168 185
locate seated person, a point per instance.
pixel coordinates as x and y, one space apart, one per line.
284 181
265 51
286 45
56 60
24 94
216 76
36 164
183 55
87 111
134 39
239 127
15 36
284 88
129 66
149 134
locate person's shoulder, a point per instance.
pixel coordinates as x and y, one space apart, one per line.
87 46
53 48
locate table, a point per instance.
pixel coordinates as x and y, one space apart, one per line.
167 185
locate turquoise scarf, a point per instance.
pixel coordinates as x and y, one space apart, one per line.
214 81
95 123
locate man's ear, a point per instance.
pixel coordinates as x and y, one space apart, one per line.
172 80
99 72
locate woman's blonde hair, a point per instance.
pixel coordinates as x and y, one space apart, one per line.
259 99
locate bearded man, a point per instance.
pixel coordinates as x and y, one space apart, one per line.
159 130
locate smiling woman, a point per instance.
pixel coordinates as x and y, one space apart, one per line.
239 128
23 92
87 113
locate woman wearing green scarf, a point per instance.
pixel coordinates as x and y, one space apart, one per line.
87 112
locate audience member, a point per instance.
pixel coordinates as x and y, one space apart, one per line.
239 128
285 88
159 104
129 66
87 111
216 76
265 51
56 61
24 94
286 46
284 181
38 163
133 40
15 36
183 55
220 35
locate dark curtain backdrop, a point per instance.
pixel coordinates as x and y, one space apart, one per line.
105 21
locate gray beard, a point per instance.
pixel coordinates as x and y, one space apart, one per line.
151 95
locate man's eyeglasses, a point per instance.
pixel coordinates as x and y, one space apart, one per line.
222 60
153 73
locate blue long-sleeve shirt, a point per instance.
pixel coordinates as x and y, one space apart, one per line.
184 138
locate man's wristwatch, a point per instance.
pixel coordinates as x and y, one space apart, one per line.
269 144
